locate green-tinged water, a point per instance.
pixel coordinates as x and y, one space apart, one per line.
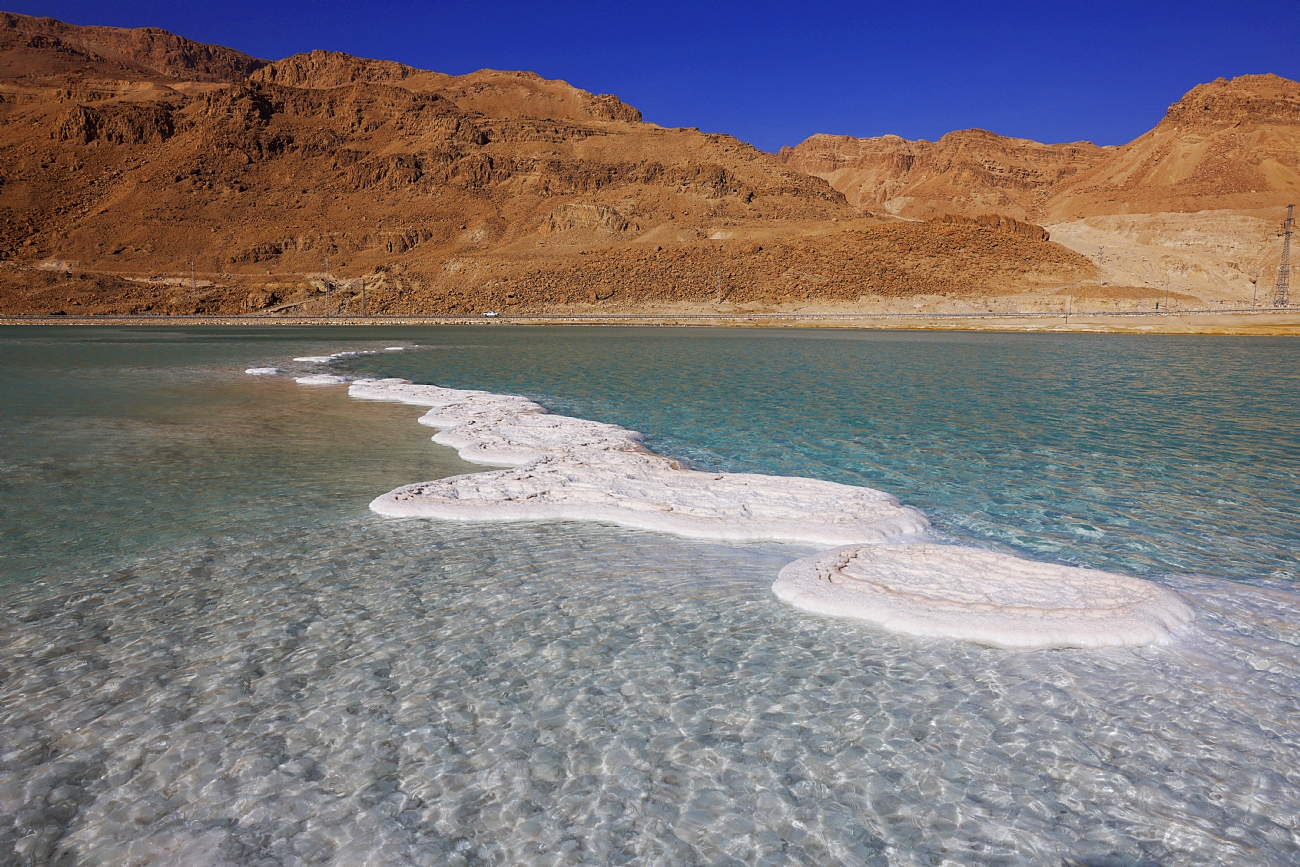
213 653
124 442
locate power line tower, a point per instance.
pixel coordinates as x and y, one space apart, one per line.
1284 269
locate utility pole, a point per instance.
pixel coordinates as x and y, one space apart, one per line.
363 296
193 281
1166 293
1284 268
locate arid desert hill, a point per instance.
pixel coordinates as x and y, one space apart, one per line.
1196 201
143 172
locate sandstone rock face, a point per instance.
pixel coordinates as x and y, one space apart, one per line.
1001 223
133 157
573 216
130 124
968 172
1224 254
1249 99
43 45
1194 203
328 69
1227 144
489 91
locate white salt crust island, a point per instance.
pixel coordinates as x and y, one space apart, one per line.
881 569
950 591
572 469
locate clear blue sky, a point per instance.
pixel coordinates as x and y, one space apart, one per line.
774 73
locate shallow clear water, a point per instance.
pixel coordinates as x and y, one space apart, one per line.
213 653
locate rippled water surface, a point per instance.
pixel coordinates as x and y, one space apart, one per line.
212 653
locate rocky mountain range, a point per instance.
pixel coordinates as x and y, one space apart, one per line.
142 172
1197 200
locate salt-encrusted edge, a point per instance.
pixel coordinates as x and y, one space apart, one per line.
803 584
906 522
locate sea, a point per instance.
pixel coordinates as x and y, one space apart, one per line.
213 653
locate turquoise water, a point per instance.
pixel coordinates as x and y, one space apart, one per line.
214 654
1147 454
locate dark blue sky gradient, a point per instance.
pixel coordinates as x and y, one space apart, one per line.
774 73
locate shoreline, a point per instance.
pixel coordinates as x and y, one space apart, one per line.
1262 322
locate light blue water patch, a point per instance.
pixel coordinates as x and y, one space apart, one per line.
212 653
1147 454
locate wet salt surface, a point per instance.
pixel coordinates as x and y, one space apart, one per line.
411 692
970 594
574 469
323 379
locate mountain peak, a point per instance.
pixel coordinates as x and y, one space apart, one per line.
1264 98
326 69
44 46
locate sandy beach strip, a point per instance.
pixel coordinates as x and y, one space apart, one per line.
1237 322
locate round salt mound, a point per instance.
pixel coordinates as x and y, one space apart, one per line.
946 591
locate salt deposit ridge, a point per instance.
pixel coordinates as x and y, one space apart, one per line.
880 570
947 591
571 469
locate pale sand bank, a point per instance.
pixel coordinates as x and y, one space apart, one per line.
1270 322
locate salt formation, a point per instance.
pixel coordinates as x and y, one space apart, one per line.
947 591
326 359
572 469
263 371
562 468
323 379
